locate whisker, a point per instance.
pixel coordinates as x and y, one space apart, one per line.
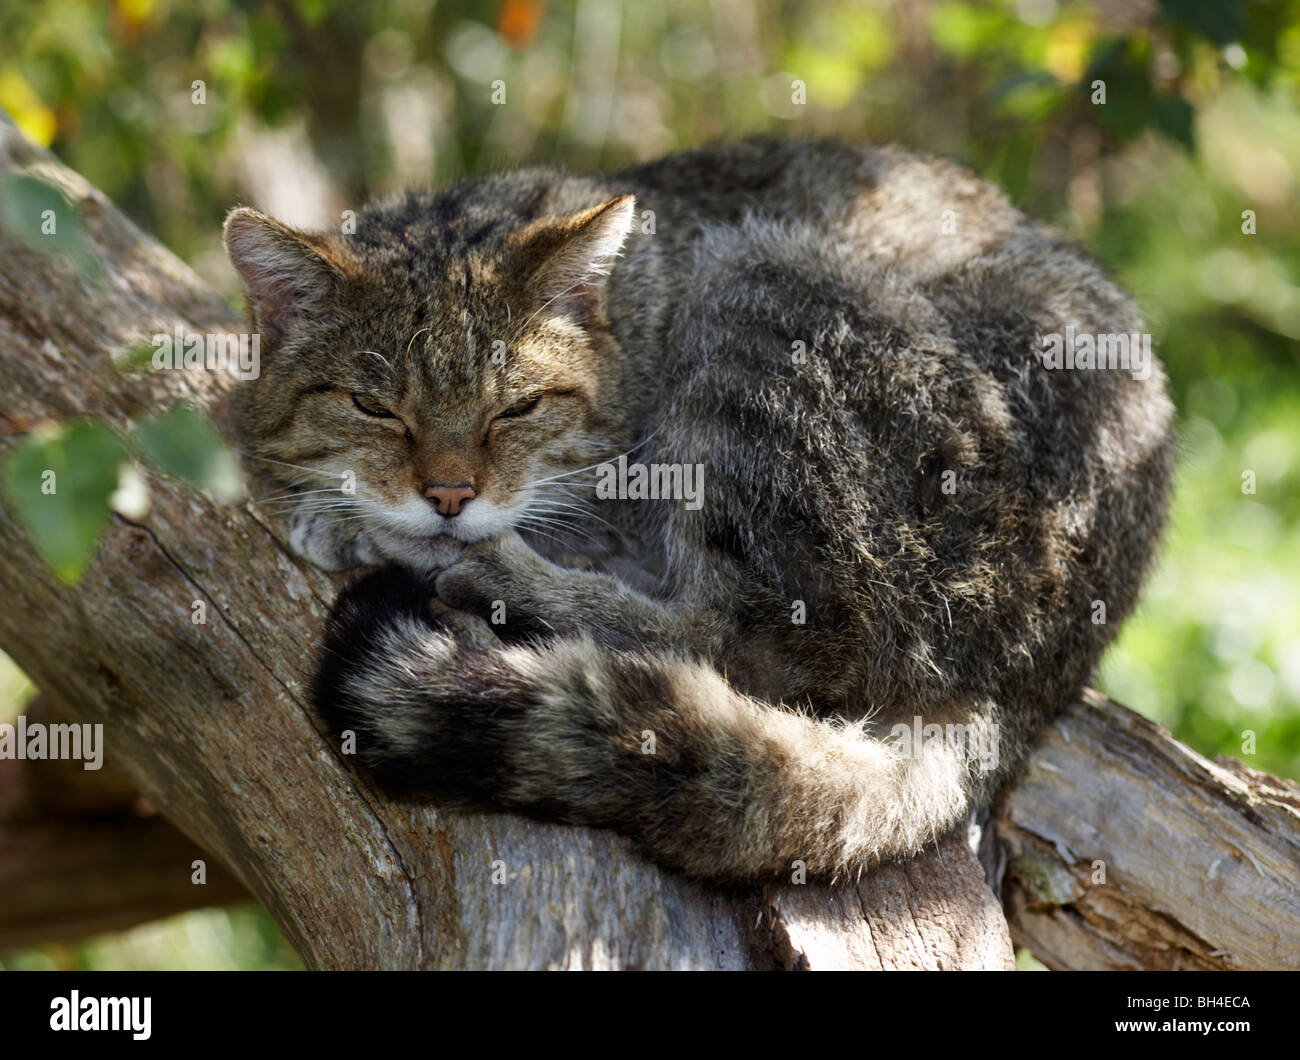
297 467
558 524
567 502
541 533
303 501
296 493
407 352
572 510
316 509
598 463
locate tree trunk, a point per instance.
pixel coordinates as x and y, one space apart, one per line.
212 724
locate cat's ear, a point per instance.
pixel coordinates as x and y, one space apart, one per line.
567 260
290 276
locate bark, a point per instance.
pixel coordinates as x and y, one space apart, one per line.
211 723
1126 849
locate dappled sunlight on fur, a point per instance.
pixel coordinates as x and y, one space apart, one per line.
905 523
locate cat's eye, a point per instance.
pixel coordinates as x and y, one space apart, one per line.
367 405
521 408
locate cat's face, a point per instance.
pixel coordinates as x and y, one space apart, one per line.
416 395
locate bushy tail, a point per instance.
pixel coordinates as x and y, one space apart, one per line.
710 782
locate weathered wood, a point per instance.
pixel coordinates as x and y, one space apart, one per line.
211 721
82 853
63 878
1201 859
935 913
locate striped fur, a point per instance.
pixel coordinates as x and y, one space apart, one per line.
711 782
907 519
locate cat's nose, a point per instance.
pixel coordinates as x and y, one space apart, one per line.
449 498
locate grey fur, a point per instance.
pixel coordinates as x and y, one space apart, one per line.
824 483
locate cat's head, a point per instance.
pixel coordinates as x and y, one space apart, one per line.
420 377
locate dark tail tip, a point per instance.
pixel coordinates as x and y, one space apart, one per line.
354 631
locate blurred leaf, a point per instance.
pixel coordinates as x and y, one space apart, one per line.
314 11
1175 118
135 359
40 215
1012 164
59 482
29 113
1222 21
1122 65
964 29
184 442
1031 95
1065 47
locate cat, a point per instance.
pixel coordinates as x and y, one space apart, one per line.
904 520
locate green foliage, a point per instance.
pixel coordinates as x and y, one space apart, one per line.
185 443
62 477
213 940
39 214
1220 21
59 482
24 201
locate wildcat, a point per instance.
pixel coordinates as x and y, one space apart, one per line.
906 515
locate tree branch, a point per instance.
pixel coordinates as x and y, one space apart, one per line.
80 855
1201 859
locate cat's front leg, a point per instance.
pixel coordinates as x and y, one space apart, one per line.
523 595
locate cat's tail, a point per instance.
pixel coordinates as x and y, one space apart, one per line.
711 782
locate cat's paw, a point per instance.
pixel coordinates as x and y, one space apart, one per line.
502 581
